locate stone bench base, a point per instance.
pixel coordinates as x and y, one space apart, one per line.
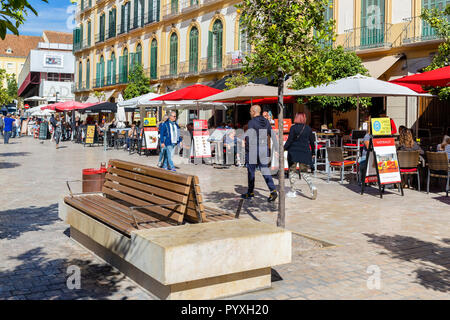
201 261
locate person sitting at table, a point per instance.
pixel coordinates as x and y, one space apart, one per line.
445 146
131 135
231 145
407 143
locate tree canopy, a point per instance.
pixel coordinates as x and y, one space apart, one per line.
13 14
138 83
236 80
338 64
439 20
9 93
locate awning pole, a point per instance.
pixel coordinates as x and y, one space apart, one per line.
357 113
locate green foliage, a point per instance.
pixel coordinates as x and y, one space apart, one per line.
285 36
13 14
100 95
439 20
337 64
138 83
235 81
8 93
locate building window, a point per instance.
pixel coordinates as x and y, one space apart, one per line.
123 67
111 74
215 45
102 28
153 10
136 58
53 76
372 22
80 75
89 31
100 76
173 6
112 23
125 19
173 54
193 50
138 19
88 74
244 46
429 33
154 60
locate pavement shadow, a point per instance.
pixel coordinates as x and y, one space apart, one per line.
15 222
412 249
9 165
443 199
39 278
371 190
15 154
229 201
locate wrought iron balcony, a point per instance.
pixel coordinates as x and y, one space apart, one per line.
417 30
211 65
369 37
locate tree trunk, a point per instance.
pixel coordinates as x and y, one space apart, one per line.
142 116
282 196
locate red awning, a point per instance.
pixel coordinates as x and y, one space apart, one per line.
194 92
415 87
67 106
435 78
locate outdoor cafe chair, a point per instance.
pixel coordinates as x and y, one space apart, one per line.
337 160
409 164
320 153
438 167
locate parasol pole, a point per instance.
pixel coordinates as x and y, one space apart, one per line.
357 113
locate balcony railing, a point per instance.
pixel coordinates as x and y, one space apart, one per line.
79 87
112 80
81 45
369 37
417 30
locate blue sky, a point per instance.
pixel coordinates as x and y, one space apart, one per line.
53 15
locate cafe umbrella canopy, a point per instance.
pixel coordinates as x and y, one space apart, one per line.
248 92
103 107
356 86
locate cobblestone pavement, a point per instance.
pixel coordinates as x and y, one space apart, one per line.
406 240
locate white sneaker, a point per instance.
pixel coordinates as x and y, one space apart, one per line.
291 194
313 193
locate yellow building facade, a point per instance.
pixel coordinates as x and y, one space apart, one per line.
181 42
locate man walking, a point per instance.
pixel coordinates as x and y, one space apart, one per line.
1 124
170 138
8 125
257 152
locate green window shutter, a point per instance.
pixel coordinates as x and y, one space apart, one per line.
142 12
122 20
80 75
88 75
114 24
128 16
174 6
193 50
151 11
219 49
158 5
89 34
108 73
136 10
114 71
81 34
97 75
154 60
173 54
120 69
210 49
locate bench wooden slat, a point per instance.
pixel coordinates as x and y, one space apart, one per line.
172 196
170 214
151 171
125 217
107 219
160 183
180 209
142 216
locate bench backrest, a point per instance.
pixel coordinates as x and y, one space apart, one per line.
140 185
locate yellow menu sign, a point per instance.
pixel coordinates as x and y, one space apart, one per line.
90 134
150 122
381 126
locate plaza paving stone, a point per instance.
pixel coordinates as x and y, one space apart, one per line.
407 238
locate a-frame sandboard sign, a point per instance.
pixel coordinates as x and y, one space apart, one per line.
382 165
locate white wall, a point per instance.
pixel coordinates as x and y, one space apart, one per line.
401 9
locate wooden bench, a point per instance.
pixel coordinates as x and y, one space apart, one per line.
153 226
141 197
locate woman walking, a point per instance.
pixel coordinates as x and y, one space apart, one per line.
299 146
58 130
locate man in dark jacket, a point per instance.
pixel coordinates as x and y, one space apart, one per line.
257 152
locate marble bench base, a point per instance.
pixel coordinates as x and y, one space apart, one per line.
189 262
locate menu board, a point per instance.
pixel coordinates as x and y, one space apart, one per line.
381 126
151 138
202 146
200 124
150 122
43 130
387 161
90 134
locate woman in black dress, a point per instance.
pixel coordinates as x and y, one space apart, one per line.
299 147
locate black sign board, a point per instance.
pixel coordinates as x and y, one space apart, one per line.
43 130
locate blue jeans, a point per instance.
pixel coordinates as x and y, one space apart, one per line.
161 157
6 136
168 153
251 170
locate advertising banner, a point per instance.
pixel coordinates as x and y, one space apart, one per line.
287 124
381 126
387 161
200 124
150 122
151 138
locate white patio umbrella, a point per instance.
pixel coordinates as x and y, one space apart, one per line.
356 86
138 101
246 92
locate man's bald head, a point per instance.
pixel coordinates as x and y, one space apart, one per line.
255 111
